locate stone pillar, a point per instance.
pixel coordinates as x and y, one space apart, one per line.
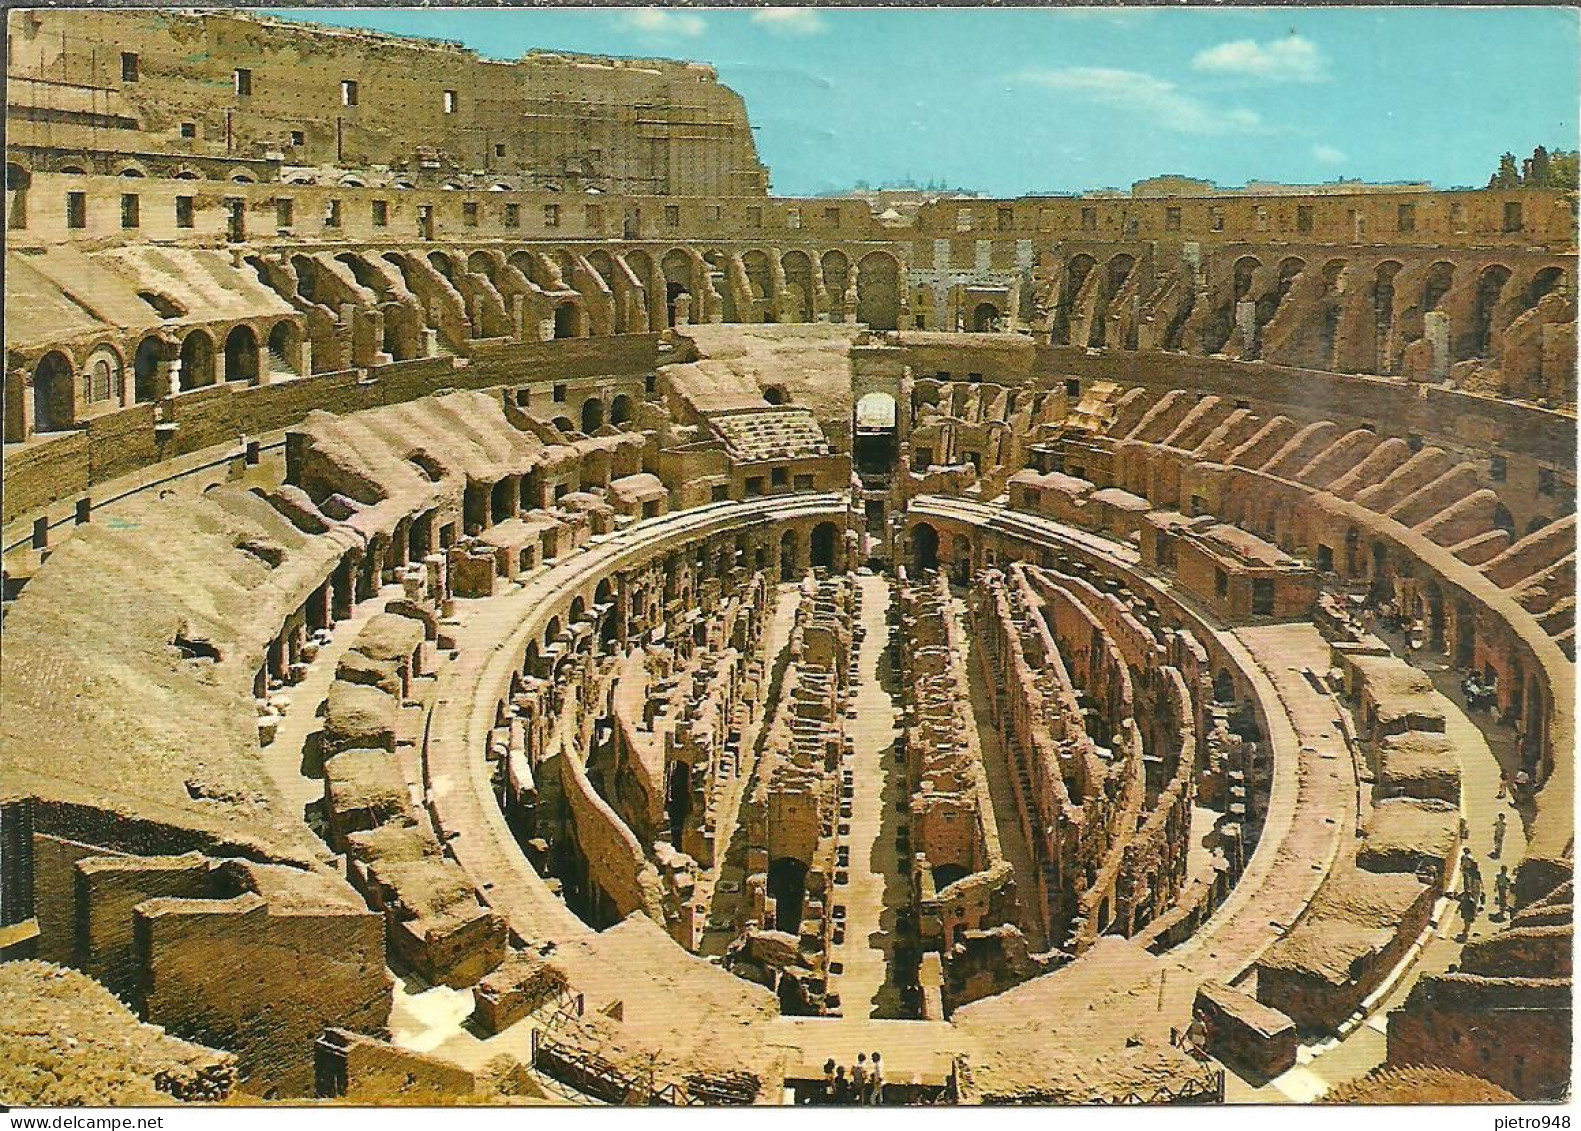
167 378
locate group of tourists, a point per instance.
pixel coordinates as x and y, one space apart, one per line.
862 1086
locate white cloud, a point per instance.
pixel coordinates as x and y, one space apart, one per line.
1158 98
791 21
1291 59
1328 155
662 24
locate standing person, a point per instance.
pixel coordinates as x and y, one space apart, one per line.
1471 876
1501 889
1468 912
875 1082
828 1081
859 1079
1499 824
842 1086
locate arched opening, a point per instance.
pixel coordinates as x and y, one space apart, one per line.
1544 283
1537 523
1223 687
797 299
776 395
565 424
53 406
197 360
924 547
440 262
677 268
1440 278
787 884
1503 519
760 286
285 347
551 632
678 799
1489 287
824 537
1076 272
836 278
568 320
592 415
876 444
878 291
788 556
620 410
986 319
481 263
145 370
502 500
241 355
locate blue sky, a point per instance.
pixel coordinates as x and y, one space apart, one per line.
1028 100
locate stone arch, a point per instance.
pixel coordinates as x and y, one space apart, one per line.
197 360
799 287
592 415
1077 268
620 410
1544 282
145 369
822 546
760 282
1439 282
776 395
102 375
567 320
241 354
482 263
1490 288
1243 275
441 262
986 318
680 278
285 348
836 268
1503 519
54 405
551 632
878 291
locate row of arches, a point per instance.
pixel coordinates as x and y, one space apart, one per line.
63 393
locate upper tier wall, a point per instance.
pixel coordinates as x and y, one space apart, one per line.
961 232
164 86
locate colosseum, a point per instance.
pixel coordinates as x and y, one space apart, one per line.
499 608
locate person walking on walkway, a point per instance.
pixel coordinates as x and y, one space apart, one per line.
1501 890
1468 912
875 1081
1499 825
1471 877
859 1079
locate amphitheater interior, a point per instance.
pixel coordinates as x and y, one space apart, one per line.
530 617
